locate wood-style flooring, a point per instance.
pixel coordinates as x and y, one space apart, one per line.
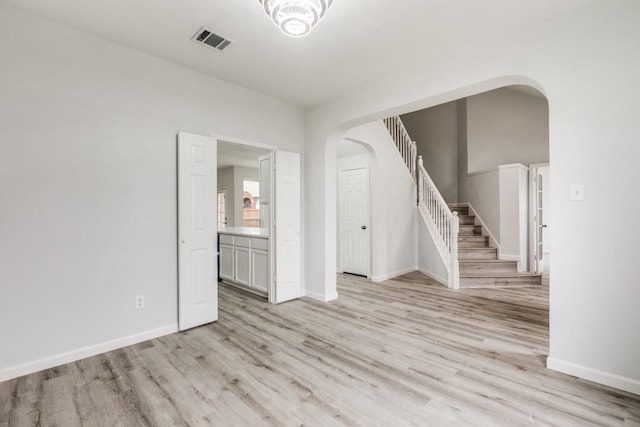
404 352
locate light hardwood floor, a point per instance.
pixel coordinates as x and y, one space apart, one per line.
405 352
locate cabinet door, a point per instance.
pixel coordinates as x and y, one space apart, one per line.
243 266
226 262
260 270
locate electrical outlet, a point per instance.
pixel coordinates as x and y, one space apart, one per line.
139 302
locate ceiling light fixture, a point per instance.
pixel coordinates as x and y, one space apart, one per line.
296 18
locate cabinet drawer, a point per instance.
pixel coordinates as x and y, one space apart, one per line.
225 239
244 242
262 244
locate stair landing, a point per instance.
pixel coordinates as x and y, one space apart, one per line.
479 263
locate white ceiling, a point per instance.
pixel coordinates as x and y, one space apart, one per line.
358 41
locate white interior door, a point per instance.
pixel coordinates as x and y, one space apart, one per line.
354 224
197 229
265 190
538 224
288 278
222 207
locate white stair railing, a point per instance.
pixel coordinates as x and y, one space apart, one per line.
443 224
406 147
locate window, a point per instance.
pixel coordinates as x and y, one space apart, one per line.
251 203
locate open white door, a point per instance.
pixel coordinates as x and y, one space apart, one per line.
197 229
288 278
537 215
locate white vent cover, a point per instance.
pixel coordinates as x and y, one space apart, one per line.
211 39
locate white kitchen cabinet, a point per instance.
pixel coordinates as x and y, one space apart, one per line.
260 270
227 268
242 265
244 259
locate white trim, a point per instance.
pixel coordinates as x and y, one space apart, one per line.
441 280
81 353
390 276
483 171
321 297
513 165
240 141
612 380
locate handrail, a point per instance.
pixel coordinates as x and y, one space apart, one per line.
406 147
443 224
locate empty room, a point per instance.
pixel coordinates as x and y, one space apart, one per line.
319 212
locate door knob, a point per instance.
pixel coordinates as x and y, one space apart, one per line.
364 227
183 241
544 225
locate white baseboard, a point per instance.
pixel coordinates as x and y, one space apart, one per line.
612 380
81 353
390 276
321 297
441 280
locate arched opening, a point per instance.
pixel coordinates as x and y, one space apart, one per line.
523 85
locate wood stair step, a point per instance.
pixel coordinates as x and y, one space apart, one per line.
467 219
470 230
465 241
487 266
490 280
462 210
465 253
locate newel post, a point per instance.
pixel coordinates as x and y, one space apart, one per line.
420 195
454 271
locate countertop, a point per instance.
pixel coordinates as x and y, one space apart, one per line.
245 231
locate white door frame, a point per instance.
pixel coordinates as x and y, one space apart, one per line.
271 151
536 264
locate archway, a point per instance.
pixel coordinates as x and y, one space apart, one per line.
331 142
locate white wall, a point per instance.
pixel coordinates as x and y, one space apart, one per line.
513 205
88 188
429 260
586 63
506 126
435 131
480 189
393 204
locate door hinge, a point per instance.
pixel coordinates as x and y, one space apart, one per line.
274 278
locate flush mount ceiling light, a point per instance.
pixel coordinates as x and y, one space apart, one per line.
296 18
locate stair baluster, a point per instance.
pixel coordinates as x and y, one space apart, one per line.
443 224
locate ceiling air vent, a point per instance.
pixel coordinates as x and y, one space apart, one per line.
211 39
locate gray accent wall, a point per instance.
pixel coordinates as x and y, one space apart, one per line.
435 131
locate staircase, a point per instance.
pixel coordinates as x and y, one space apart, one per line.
479 265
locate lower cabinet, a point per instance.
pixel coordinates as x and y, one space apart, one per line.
260 270
244 262
226 262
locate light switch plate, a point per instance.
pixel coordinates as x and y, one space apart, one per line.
577 192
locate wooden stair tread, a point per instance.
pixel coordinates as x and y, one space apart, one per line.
476 248
488 261
500 274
